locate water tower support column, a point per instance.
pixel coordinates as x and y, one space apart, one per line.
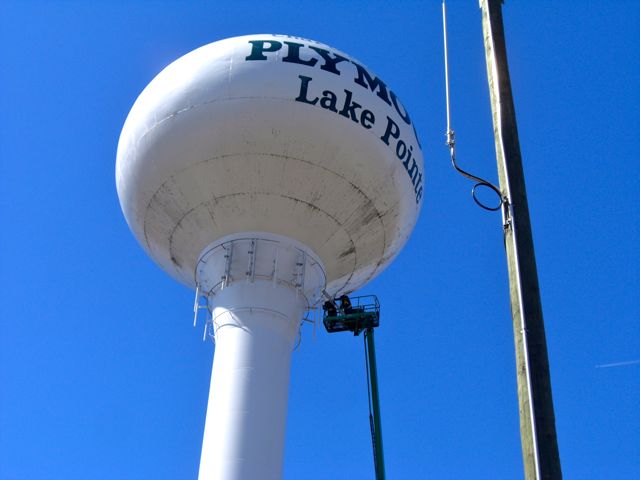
259 288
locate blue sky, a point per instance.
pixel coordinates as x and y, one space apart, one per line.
102 375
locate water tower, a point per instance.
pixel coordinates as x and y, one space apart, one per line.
266 172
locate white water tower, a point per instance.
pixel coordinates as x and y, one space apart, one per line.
266 171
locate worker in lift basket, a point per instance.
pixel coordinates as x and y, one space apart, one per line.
345 304
330 307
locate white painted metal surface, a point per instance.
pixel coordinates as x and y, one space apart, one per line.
275 134
258 287
300 143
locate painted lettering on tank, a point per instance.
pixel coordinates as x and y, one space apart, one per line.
303 52
344 104
314 56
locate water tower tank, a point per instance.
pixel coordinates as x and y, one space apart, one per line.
265 170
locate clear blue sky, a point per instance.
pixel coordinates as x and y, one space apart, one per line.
102 375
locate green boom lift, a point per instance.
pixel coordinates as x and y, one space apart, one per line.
361 314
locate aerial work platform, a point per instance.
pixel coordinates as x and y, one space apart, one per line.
362 314
351 314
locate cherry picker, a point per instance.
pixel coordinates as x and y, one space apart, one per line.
357 315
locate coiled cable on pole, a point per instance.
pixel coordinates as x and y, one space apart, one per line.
451 136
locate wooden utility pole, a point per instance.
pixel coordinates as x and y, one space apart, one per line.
537 419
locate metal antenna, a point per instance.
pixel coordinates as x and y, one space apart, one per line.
451 136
